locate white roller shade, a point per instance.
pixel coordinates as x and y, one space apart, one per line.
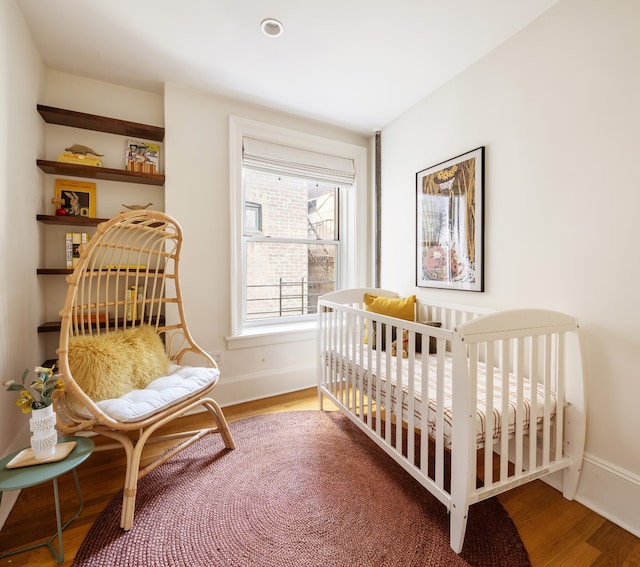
287 160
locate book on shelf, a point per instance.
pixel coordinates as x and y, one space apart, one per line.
68 249
142 157
135 296
80 159
77 198
94 318
73 241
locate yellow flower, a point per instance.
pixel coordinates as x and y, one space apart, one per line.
24 401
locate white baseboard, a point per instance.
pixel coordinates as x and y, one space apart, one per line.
239 389
608 490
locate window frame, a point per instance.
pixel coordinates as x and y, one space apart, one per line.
353 218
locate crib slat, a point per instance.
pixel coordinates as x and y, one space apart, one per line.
490 418
560 386
546 424
353 375
504 420
519 418
424 412
379 399
439 445
397 379
339 354
368 364
411 390
533 416
360 364
388 398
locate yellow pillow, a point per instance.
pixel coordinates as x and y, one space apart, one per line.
399 307
110 365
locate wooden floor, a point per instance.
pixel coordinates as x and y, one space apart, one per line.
554 530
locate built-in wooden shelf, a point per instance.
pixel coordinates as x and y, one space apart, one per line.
49 327
103 173
65 271
53 271
69 220
54 326
75 119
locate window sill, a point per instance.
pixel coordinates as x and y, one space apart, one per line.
274 334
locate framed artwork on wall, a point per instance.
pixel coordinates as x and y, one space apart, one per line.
76 198
449 223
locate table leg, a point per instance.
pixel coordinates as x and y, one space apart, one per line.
59 556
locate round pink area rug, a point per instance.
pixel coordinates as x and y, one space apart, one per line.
301 489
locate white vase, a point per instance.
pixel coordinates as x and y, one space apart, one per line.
44 435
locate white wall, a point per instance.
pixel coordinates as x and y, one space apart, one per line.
197 195
21 77
557 108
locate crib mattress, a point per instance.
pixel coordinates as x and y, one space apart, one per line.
427 365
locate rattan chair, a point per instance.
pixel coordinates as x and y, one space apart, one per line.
126 280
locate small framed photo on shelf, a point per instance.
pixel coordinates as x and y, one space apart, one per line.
450 212
142 157
75 198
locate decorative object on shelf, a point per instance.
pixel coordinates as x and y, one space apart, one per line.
142 157
82 155
79 154
449 239
137 207
82 150
37 398
57 203
77 198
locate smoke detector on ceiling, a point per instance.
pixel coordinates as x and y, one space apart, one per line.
271 27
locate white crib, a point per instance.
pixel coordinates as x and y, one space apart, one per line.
470 389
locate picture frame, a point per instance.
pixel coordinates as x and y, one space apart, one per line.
450 223
76 198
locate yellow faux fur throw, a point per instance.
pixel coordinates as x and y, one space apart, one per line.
112 364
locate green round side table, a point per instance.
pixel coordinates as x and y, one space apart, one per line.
23 477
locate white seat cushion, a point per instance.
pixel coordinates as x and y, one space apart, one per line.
178 385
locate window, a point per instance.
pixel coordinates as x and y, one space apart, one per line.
293 258
295 229
252 218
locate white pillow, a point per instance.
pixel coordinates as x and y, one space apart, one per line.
163 392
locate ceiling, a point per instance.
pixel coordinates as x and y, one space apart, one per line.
353 63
